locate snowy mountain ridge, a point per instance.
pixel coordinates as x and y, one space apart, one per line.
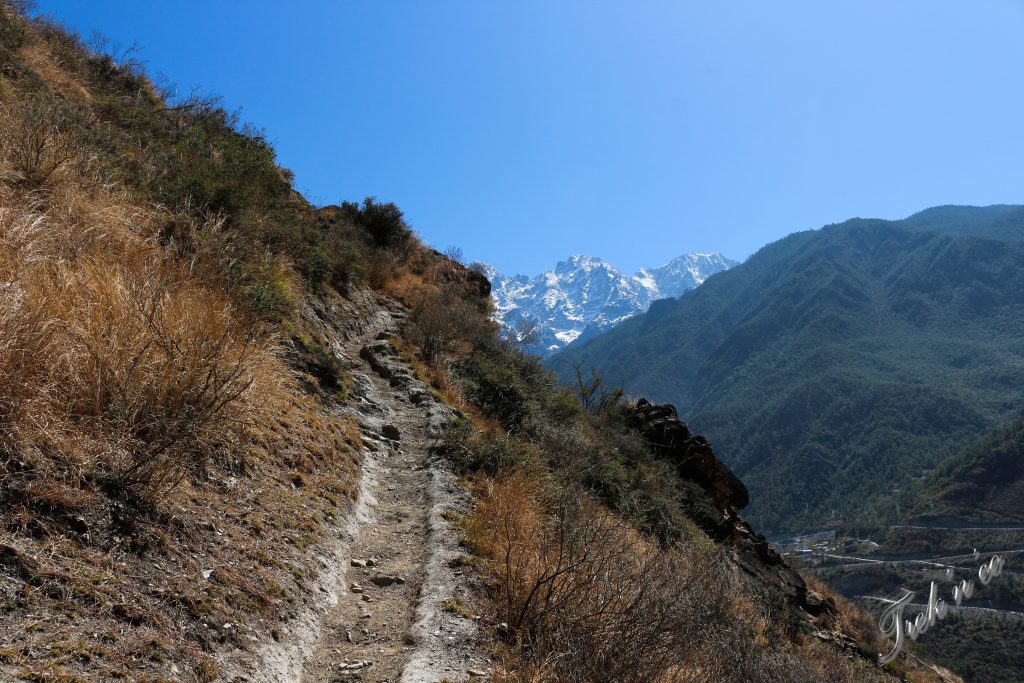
585 295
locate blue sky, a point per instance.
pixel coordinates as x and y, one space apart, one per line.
525 131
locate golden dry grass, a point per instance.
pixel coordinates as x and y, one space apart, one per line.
114 365
118 367
580 595
162 470
121 373
124 371
37 57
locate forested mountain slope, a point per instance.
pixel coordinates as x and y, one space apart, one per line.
837 365
983 483
999 221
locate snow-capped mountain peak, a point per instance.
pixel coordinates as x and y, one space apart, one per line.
585 295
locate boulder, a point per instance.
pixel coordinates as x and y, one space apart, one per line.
715 510
692 456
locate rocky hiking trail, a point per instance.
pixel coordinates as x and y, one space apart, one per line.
380 611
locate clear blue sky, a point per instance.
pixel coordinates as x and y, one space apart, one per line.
525 131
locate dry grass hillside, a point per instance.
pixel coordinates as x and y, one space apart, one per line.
172 453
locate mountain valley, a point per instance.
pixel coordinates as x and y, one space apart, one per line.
837 365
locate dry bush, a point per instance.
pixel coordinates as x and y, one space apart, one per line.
442 322
383 267
116 369
122 368
40 139
586 598
398 270
582 597
851 620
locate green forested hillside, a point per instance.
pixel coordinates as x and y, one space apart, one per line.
837 365
984 483
1000 221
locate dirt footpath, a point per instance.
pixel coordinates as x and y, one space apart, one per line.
391 598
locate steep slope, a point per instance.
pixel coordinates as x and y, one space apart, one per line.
231 424
835 365
584 296
982 484
181 442
579 594
999 221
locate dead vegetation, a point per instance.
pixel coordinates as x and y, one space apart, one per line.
444 321
582 596
39 141
117 371
163 471
162 475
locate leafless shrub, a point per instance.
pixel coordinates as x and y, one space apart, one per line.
443 321
593 392
39 140
587 598
455 254
383 266
582 597
161 362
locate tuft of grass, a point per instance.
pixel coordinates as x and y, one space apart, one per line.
454 606
462 561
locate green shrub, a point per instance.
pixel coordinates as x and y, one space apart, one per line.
497 389
323 363
510 386
384 223
200 159
268 292
349 265
472 451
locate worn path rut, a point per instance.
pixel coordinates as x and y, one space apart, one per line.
389 623
377 612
